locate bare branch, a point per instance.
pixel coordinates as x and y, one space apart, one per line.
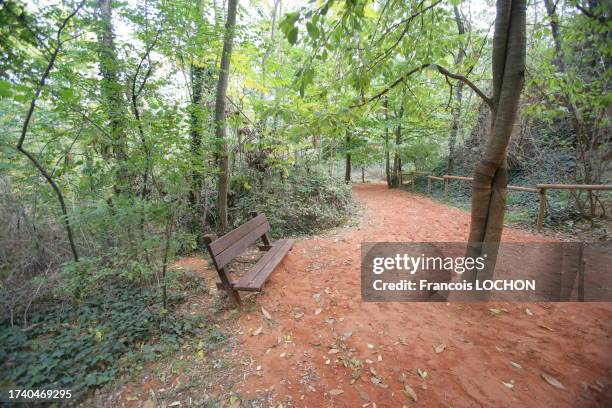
466 81
393 85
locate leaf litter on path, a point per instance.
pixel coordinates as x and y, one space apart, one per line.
552 381
265 313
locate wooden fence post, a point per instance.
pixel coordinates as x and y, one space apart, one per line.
542 208
445 188
428 185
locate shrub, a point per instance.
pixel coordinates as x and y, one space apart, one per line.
303 202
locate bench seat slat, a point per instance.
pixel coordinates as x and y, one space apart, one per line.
254 279
237 248
223 243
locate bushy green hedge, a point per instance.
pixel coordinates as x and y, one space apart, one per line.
302 202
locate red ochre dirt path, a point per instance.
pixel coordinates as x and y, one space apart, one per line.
319 325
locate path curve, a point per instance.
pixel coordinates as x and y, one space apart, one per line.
325 353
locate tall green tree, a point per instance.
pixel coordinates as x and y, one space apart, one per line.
220 115
489 188
113 93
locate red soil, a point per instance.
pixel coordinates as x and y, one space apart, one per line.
291 359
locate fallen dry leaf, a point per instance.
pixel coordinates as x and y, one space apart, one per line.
410 392
318 311
333 351
336 392
509 385
495 312
257 331
422 373
266 314
552 381
529 312
440 348
516 365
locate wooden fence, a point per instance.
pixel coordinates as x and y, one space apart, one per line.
539 189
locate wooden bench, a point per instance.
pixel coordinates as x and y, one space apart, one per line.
226 248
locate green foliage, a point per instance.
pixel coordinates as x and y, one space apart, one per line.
134 156
303 202
82 346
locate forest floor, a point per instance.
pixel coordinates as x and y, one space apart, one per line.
321 346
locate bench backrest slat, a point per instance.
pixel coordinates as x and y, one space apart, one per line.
232 244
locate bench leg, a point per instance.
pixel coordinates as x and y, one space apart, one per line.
225 282
233 294
227 286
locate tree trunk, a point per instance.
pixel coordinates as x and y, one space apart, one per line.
112 92
362 174
222 152
387 154
195 131
582 130
458 88
397 158
489 188
347 174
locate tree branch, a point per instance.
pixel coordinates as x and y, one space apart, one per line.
393 85
26 123
466 81
440 69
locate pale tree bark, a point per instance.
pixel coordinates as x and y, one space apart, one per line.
387 153
489 188
222 151
458 94
195 133
276 12
397 157
198 74
347 173
112 92
264 60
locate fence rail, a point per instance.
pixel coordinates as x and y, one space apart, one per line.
539 189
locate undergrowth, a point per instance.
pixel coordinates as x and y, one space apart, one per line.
86 345
300 203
